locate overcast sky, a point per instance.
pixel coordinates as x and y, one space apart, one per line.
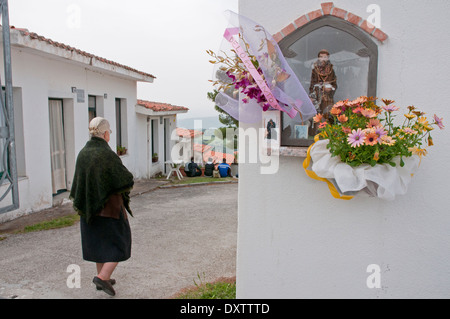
167 38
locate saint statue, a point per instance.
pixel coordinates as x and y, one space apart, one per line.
323 83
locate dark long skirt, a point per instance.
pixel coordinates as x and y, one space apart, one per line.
106 239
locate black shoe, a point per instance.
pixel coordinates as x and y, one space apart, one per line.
104 285
111 281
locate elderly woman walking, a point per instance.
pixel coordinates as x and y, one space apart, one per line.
100 195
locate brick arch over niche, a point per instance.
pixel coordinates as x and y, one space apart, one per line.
328 9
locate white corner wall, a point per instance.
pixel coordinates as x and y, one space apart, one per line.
296 241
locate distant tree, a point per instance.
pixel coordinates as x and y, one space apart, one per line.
224 117
229 143
228 122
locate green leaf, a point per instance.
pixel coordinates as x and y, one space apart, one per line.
353 164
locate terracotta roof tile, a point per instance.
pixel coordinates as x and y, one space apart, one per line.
161 107
187 133
202 148
32 35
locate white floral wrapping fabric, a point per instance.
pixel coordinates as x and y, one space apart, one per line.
382 181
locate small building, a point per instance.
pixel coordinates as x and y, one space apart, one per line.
57 90
159 121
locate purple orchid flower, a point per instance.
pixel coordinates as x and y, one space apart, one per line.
231 76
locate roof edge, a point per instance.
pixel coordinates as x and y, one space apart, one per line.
24 38
146 111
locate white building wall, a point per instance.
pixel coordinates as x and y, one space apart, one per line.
141 150
143 131
163 145
40 77
296 241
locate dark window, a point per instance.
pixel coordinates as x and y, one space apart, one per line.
354 59
119 122
154 136
92 105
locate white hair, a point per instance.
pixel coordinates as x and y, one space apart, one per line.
98 126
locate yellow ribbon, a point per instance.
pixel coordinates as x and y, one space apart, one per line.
334 192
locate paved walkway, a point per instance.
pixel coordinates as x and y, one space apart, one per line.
178 235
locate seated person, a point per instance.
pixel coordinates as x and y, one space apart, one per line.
224 169
209 167
193 169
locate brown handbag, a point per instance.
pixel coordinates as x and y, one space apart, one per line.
113 207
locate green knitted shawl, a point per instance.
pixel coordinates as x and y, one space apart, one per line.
99 173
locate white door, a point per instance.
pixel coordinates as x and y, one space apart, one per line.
167 149
149 147
152 145
57 146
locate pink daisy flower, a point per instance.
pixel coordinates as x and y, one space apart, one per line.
387 140
380 131
340 104
368 113
373 123
342 118
390 108
409 131
356 138
346 130
439 122
318 118
358 110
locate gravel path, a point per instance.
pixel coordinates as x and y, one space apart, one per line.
178 234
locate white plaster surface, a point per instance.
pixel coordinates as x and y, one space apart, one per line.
296 241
